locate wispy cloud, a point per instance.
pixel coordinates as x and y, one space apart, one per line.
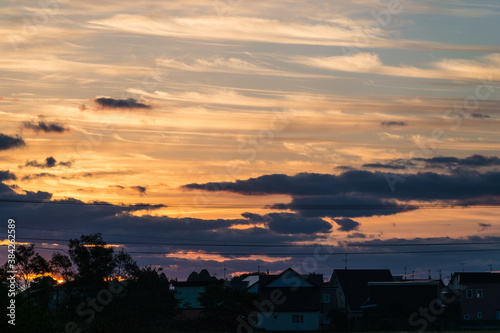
50 162
450 69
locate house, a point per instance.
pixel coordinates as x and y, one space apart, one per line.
350 291
289 301
351 288
187 292
478 297
249 284
397 305
327 306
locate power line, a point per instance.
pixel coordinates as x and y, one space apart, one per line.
313 254
424 244
181 244
288 254
270 245
285 206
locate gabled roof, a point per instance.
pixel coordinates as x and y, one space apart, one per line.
354 283
476 277
300 292
310 280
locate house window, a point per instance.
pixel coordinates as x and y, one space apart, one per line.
297 319
466 317
326 298
479 293
479 315
468 293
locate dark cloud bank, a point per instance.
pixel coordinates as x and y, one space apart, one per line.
318 201
366 186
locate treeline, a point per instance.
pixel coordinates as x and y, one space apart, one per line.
104 291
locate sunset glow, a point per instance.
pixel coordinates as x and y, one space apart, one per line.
241 134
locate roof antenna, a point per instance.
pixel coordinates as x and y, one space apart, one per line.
440 274
405 273
491 267
462 266
345 260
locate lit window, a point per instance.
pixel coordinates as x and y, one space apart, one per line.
297 319
479 315
466 317
468 293
479 293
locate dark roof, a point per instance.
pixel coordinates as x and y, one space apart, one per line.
314 279
240 285
296 299
197 283
469 277
354 283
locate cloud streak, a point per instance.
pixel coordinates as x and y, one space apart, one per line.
474 161
370 63
49 162
45 127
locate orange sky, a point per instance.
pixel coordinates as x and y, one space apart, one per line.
133 101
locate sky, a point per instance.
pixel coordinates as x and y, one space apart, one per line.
239 135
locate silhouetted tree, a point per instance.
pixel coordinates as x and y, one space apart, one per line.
146 305
29 264
125 265
94 260
62 265
222 306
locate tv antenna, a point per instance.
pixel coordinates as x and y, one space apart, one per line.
345 260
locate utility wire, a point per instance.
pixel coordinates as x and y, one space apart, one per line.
273 245
299 253
285 206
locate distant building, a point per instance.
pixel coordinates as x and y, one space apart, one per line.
350 293
290 301
396 305
351 288
187 292
479 296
